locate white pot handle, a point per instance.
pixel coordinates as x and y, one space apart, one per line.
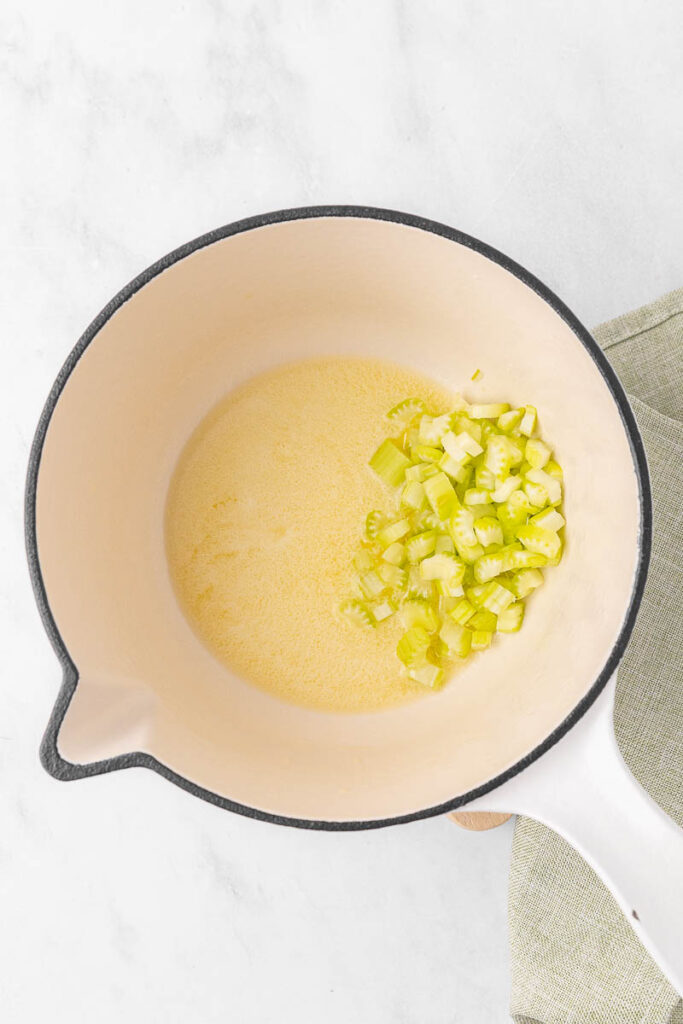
583 790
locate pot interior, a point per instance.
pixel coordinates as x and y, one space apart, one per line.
292 290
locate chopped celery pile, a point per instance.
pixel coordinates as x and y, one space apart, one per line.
472 517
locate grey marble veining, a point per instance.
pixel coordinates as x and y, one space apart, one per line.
551 130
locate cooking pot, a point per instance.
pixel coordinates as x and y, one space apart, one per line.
526 727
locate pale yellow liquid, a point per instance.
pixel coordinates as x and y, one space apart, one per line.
264 514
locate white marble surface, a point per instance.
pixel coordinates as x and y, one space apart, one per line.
550 129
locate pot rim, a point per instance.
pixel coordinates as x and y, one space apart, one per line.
65 770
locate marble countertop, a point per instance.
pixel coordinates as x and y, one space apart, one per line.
551 130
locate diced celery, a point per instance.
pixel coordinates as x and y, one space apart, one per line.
528 424
539 541
382 610
392 575
371 584
373 524
457 470
498 457
507 421
425 453
449 588
432 429
364 560
357 613
488 412
475 594
457 639
553 469
510 620
428 674
461 527
444 543
488 566
442 567
393 532
468 554
407 410
395 553
552 486
504 489
481 639
496 598
421 545
483 619
488 531
440 495
476 375
523 582
413 646
418 611
389 463
549 519
463 611
536 493
536 453
413 495
528 560
477 496
417 472
417 587
481 511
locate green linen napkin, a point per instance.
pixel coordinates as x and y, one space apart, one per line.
574 957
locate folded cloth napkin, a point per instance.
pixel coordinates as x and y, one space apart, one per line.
574 957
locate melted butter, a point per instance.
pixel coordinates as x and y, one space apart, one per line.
264 515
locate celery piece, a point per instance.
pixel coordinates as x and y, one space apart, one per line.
553 469
463 611
418 611
389 463
516 449
373 523
449 589
488 531
469 554
417 587
504 489
425 453
407 410
536 453
461 446
413 646
539 541
357 613
528 424
523 582
444 543
442 567
483 619
392 575
382 610
481 639
475 594
461 527
528 560
484 478
498 457
549 519
364 560
456 470
456 638
552 486
536 493
482 511
510 620
440 495
413 495
393 532
477 496
371 584
488 566
421 471
488 412
428 674
496 598
395 553
432 428
421 545
507 421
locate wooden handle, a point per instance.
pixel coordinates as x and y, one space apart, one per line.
478 821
